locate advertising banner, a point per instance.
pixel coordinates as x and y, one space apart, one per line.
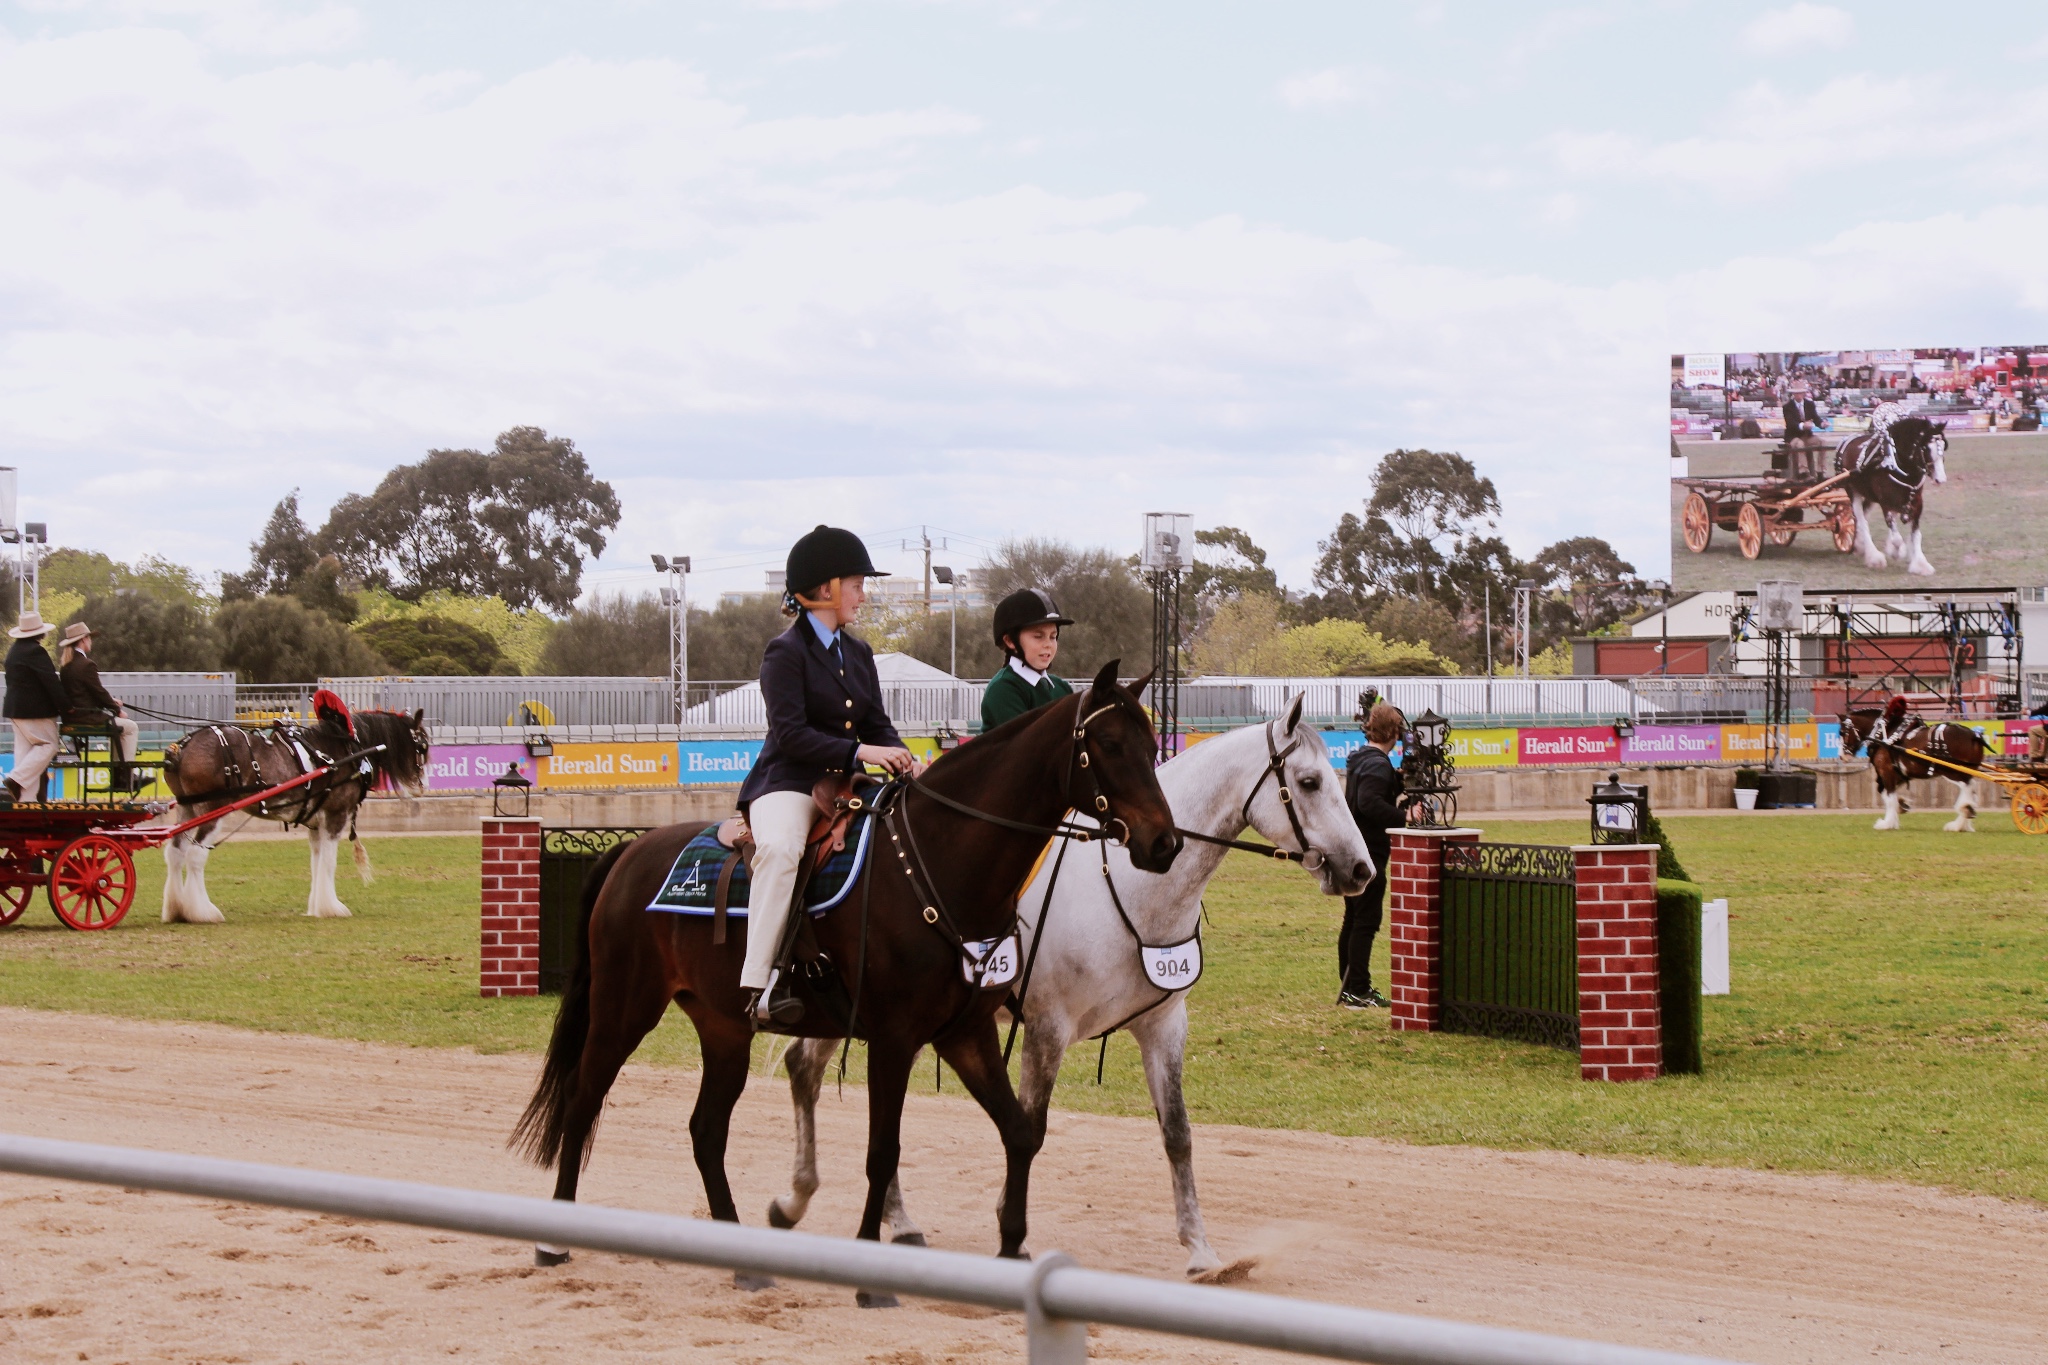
473 767
1745 743
1341 744
1673 744
1552 747
608 765
1755 430
716 762
1484 748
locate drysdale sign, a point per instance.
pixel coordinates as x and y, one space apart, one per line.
725 762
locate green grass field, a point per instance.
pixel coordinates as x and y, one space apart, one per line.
1982 529
1889 1015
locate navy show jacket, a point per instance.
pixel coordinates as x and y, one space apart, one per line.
818 715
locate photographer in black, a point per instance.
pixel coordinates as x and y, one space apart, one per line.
1372 788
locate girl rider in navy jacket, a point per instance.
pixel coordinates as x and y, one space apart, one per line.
825 715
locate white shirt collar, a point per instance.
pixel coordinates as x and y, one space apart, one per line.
1026 671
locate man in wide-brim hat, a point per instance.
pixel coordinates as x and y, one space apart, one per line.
35 699
87 701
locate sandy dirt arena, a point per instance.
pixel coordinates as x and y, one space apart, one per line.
1747 1265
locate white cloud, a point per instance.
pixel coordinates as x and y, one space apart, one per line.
1328 88
249 28
1798 28
1765 140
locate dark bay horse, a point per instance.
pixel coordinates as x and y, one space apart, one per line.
1896 762
1890 479
952 853
219 764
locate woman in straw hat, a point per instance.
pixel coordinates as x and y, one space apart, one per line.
35 698
87 701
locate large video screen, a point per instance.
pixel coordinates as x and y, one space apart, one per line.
1911 469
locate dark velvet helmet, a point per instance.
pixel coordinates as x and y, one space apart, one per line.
1023 609
825 554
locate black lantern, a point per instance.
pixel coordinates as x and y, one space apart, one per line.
1429 786
510 795
1621 812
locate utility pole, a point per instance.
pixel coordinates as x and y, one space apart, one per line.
924 547
676 598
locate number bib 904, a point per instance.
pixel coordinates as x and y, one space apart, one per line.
1175 968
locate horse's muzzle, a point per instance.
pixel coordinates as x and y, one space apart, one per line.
1157 853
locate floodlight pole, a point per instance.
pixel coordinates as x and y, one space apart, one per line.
946 576
676 598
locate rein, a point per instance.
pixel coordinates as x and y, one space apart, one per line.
1309 857
925 886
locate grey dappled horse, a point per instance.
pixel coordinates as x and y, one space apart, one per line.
1087 975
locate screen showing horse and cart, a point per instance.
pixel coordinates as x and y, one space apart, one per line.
1860 469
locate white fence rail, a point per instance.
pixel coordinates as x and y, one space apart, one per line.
1057 1297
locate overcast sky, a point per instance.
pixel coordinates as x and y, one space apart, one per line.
999 268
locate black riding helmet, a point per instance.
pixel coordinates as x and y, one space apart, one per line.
1023 609
825 554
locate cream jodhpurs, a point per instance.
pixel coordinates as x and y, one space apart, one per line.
781 821
35 744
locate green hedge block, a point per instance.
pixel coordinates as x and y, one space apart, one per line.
1678 977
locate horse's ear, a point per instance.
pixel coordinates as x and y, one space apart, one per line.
1294 713
1105 679
1138 685
419 717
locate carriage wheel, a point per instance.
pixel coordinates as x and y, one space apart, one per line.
18 879
1845 529
2030 808
92 883
13 900
1781 534
1698 521
1749 531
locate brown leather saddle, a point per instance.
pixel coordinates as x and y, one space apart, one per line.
838 797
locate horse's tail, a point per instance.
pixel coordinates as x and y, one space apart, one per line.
538 1135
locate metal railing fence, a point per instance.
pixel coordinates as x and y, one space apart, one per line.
1058 1297
507 700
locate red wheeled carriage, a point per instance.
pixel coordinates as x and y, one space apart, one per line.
79 852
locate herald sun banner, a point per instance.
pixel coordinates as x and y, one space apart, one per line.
608 765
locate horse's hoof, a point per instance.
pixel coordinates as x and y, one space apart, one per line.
1237 1272
549 1256
909 1239
751 1282
1013 1254
776 1217
869 1298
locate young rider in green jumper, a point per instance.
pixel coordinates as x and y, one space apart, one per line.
1027 630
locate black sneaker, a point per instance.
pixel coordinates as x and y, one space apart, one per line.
1369 999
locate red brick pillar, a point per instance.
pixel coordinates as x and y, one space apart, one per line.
1415 937
1621 1030
509 963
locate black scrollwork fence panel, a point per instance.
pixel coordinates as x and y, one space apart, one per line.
1510 943
566 857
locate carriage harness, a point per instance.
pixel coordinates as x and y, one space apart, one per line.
242 772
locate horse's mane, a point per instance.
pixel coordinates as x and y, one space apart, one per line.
399 764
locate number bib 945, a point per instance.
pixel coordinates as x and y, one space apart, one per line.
998 959
1175 968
